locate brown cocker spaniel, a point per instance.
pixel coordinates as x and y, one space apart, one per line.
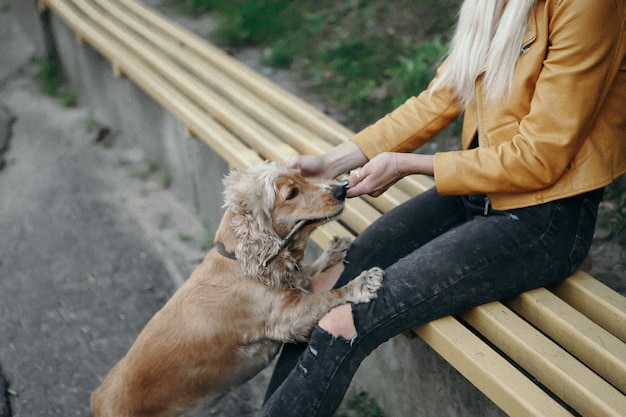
249 295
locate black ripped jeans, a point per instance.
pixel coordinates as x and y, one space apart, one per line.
441 255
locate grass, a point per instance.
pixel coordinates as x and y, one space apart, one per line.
612 214
365 56
146 169
359 404
52 80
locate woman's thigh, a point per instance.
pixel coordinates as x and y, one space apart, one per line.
401 231
484 259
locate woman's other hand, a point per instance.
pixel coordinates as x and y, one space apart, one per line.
384 170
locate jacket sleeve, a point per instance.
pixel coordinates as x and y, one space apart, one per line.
412 124
580 64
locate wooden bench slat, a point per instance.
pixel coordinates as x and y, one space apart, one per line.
555 368
395 196
241 93
595 300
506 386
215 135
599 349
358 215
325 233
229 147
297 108
254 134
415 184
303 140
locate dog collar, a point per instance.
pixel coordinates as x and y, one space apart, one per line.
221 249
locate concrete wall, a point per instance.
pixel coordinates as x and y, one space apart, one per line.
195 170
405 376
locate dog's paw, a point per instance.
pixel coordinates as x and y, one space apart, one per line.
335 252
364 287
339 246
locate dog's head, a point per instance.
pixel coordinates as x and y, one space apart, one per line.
270 212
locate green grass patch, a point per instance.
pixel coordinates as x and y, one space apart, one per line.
359 404
365 56
52 81
612 214
49 74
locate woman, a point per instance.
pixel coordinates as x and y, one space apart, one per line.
542 85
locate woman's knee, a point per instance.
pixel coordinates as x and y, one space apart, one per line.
339 322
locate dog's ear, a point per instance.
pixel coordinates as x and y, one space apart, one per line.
225 232
251 191
249 197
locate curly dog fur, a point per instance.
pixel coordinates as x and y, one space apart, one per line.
227 322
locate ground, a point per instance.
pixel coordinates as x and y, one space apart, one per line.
85 257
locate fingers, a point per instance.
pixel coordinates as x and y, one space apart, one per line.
357 183
294 163
353 178
365 181
309 165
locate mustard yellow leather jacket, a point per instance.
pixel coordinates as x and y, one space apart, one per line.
562 132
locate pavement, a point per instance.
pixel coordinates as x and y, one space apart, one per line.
91 246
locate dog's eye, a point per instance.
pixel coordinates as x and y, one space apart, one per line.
293 193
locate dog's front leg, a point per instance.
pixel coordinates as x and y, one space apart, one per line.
334 253
293 316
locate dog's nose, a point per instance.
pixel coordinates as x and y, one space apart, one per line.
339 191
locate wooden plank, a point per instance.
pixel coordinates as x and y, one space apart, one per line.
415 184
242 98
268 145
235 114
596 347
224 143
324 234
358 215
394 195
506 386
597 301
555 368
273 94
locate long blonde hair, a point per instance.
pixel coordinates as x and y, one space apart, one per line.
488 37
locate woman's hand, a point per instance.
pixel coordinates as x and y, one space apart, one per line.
331 164
384 170
310 166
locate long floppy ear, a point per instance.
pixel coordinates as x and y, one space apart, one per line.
249 197
250 191
225 233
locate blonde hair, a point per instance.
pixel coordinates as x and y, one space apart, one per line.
488 37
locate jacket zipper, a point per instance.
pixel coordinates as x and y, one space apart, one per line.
526 45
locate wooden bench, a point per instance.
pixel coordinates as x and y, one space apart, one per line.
549 352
